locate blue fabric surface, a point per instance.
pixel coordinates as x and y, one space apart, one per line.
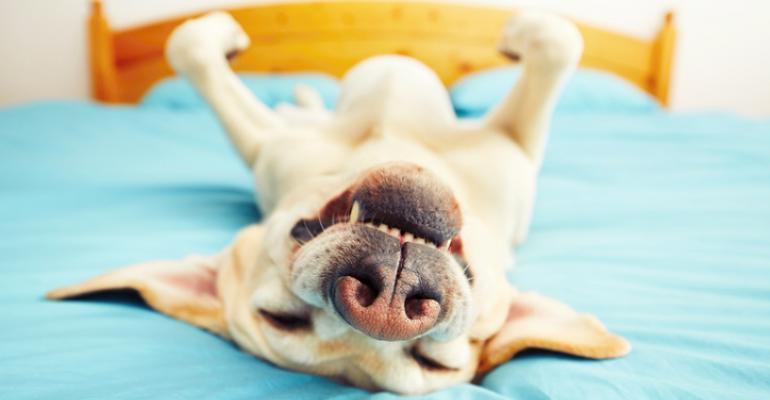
272 89
586 91
659 224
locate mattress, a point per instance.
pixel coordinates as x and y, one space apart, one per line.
657 223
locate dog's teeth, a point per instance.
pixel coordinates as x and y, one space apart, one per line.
395 232
408 237
446 244
383 228
354 212
419 240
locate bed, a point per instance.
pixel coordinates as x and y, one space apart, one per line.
657 222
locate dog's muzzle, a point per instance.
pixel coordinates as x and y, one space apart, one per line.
390 272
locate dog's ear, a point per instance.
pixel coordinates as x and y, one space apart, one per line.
184 289
535 321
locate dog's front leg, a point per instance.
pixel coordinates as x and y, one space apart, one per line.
549 48
199 49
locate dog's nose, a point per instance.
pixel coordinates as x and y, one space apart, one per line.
390 304
381 316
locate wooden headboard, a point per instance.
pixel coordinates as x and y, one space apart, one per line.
331 36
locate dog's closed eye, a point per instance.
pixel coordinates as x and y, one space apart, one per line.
427 362
287 322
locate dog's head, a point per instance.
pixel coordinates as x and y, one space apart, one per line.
383 279
380 256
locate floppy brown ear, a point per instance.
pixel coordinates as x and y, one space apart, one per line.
535 321
184 289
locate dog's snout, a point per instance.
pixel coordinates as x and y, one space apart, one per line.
397 296
387 263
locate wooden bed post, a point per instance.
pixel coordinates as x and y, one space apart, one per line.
102 62
663 59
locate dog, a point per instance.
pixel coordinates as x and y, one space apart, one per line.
389 223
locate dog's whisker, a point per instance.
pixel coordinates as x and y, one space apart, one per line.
312 236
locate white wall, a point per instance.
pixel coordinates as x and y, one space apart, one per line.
722 61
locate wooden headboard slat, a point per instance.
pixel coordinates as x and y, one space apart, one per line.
331 36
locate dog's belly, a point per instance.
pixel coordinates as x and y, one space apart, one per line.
395 95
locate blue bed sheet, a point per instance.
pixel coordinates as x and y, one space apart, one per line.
657 223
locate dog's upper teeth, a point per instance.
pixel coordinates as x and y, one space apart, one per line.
445 245
354 212
404 236
395 232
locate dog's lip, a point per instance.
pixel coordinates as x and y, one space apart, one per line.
403 196
343 209
405 201
402 229
307 229
403 235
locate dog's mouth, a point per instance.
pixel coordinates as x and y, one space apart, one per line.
389 270
403 230
402 200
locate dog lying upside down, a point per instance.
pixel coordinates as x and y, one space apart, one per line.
389 226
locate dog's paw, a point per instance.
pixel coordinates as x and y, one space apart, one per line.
214 36
542 39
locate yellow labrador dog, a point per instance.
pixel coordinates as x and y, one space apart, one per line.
389 226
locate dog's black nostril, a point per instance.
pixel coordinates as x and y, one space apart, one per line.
365 294
351 293
417 307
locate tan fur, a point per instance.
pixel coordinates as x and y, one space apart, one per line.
391 110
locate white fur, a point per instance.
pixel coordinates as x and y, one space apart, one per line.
391 108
